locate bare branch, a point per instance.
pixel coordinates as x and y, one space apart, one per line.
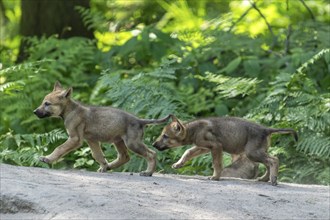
287 40
263 17
242 16
308 9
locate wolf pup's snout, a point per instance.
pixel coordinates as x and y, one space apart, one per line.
156 145
40 113
159 146
37 112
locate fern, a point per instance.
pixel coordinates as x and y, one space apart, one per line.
10 87
16 93
207 69
25 149
295 100
315 144
149 94
316 57
306 169
92 19
24 66
24 86
229 87
69 66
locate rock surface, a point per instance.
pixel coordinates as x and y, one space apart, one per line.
35 193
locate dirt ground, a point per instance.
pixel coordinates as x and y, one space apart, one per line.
35 193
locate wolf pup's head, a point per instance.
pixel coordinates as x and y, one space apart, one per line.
54 103
172 135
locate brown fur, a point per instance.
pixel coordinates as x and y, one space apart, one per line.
218 134
95 125
241 167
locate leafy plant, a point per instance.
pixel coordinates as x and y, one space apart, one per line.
24 86
229 87
25 149
265 61
294 101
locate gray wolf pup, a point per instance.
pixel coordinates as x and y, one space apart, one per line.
218 134
95 125
241 167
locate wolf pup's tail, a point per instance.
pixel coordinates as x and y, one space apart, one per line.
284 131
155 121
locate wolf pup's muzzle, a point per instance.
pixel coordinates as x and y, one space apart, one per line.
159 146
41 114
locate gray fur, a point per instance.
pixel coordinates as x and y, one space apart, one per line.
95 125
218 134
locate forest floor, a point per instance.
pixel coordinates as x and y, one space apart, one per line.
36 193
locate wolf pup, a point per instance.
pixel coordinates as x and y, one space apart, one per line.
241 167
95 125
218 134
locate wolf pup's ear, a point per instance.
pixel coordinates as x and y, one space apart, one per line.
178 129
57 86
180 124
173 118
67 93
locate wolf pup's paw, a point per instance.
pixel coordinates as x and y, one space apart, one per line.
177 165
263 179
214 178
273 180
102 169
145 173
44 159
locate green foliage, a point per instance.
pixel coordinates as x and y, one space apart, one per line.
18 95
142 93
25 149
229 87
147 48
92 19
9 38
25 86
78 62
266 61
294 100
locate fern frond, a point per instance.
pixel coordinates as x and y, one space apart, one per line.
146 93
24 149
9 87
229 87
294 99
312 60
39 140
92 19
315 144
24 66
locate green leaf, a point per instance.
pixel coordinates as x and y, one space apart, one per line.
230 87
232 65
252 67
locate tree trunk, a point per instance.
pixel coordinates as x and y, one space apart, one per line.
49 17
3 18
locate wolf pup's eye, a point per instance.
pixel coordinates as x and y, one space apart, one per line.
47 104
165 136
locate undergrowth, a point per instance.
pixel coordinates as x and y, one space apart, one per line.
208 69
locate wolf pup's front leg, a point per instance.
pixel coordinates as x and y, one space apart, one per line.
188 155
68 146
